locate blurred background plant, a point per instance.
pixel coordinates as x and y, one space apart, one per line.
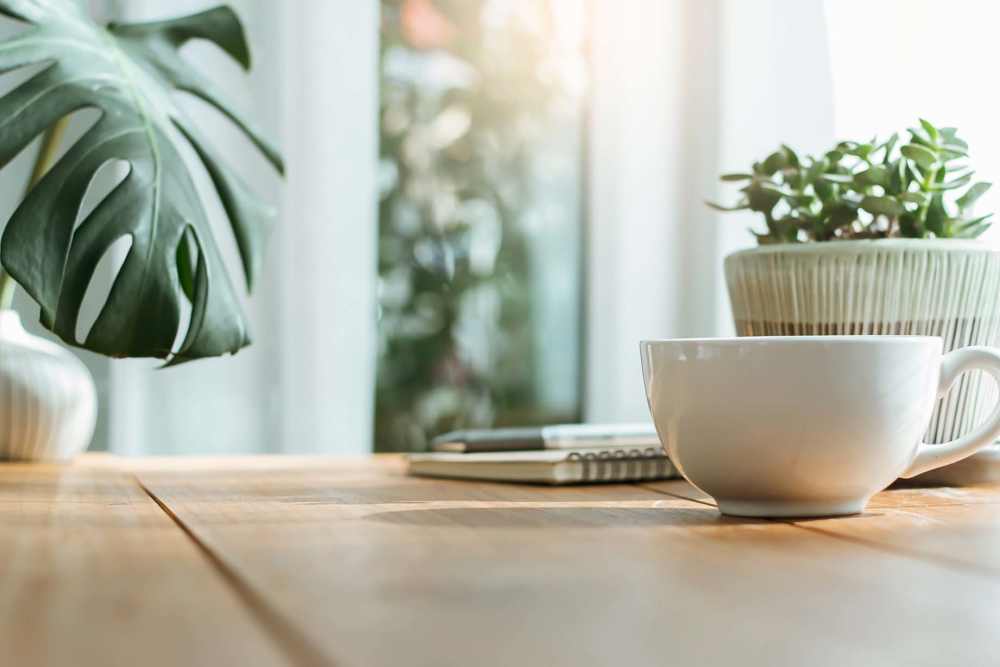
480 234
866 190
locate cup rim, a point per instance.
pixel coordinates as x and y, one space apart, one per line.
842 338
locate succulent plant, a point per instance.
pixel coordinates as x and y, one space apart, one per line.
866 190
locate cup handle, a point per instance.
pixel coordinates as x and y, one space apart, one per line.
954 364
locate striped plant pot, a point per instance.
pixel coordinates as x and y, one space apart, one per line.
947 288
48 403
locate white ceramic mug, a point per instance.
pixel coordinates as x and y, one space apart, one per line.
805 425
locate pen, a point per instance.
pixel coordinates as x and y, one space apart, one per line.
560 436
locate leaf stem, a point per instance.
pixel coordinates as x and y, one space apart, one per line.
46 155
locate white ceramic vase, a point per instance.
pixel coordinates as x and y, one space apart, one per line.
947 288
48 402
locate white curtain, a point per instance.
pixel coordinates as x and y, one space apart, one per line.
306 383
684 90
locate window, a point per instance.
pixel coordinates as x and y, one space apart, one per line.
480 232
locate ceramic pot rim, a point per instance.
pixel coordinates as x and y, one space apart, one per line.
868 246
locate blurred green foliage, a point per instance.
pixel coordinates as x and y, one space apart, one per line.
469 91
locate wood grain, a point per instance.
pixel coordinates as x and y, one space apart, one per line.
94 573
374 568
956 527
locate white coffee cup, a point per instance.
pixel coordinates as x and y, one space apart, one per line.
805 425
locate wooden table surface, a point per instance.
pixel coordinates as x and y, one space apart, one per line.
311 561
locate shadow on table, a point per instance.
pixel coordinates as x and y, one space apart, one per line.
599 517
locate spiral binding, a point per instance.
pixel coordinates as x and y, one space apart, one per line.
623 465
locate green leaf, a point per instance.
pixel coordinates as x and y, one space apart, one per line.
888 146
735 177
949 135
898 180
776 188
874 175
845 179
972 195
952 184
936 215
955 150
918 136
816 167
971 229
719 207
974 232
761 199
129 73
919 154
793 157
932 132
920 198
825 190
794 177
841 216
774 162
887 206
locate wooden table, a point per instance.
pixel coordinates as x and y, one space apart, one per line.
307 561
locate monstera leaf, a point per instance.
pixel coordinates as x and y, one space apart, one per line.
128 72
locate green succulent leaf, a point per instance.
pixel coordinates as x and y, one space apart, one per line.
719 207
815 168
920 198
128 73
949 135
919 138
874 175
972 195
920 154
932 132
776 188
735 177
775 161
793 157
957 182
921 187
842 215
953 151
887 206
761 199
888 146
936 216
971 229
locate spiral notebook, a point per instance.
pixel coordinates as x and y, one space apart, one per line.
549 466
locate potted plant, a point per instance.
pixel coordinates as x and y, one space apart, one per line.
129 73
873 238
